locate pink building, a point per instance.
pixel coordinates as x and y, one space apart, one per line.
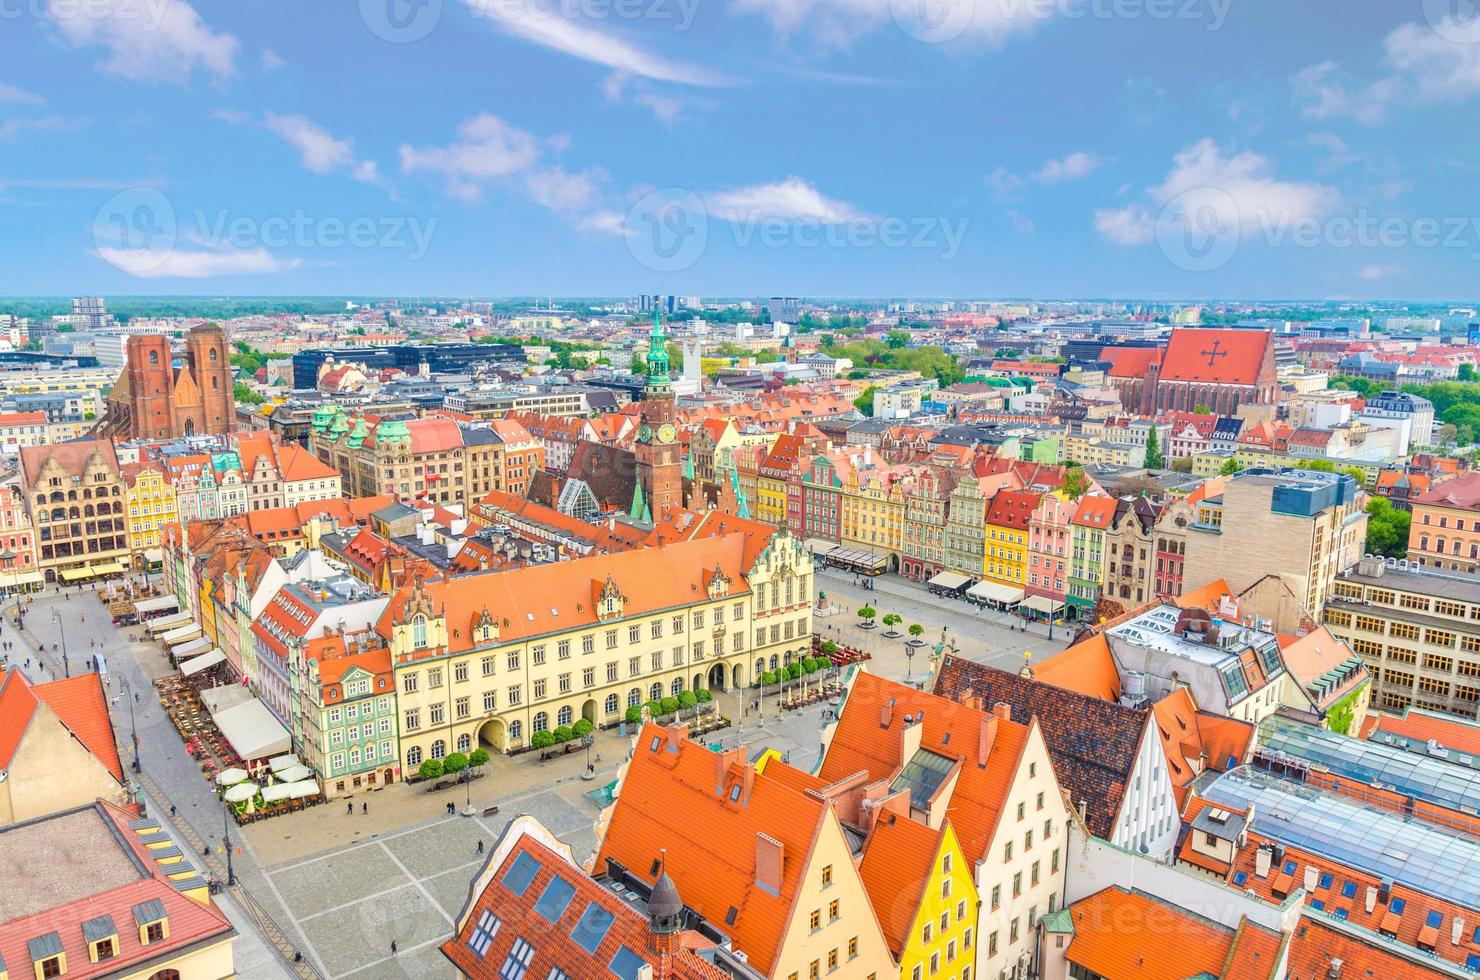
1048 548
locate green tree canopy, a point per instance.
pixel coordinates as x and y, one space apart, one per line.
1387 529
1154 458
1076 483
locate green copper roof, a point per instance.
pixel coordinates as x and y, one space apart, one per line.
657 356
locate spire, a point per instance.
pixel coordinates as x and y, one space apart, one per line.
640 511
657 356
743 512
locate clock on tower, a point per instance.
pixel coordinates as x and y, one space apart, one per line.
659 455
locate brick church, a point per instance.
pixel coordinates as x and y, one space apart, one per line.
1221 369
155 399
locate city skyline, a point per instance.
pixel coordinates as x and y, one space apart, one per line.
817 148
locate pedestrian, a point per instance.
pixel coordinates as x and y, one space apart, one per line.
172 809
349 809
365 809
393 947
480 845
136 697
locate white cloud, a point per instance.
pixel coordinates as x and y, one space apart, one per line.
1338 155
1320 93
1131 225
178 264
1372 273
1224 190
1074 166
321 152
12 129
534 24
838 23
1003 183
230 116
271 61
791 199
487 150
605 221
158 41
1021 223
1440 68
9 93
559 190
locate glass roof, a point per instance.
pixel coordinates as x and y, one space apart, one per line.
922 776
1410 851
1367 762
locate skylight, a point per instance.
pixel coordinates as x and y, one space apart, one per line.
592 927
556 898
518 877
627 964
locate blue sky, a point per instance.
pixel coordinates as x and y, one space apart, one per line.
1132 148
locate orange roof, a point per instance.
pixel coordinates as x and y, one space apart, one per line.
1086 667
79 704
1130 362
1215 356
1180 726
862 743
676 799
1313 655
1207 597
1013 508
22 418
1316 945
1456 733
296 463
898 859
1120 933
434 435
1095 512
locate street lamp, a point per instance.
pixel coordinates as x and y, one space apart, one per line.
226 840
587 740
57 618
128 692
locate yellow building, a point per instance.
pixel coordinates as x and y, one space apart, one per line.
149 499
1008 517
497 658
919 882
872 509
775 472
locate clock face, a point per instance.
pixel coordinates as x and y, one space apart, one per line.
667 433
645 433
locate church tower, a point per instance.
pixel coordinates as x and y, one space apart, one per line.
659 455
210 366
150 388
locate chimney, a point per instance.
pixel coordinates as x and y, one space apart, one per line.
1002 710
1371 901
1262 858
770 859
910 737
674 737
967 697
1312 877
1456 931
985 740
1335 970
886 714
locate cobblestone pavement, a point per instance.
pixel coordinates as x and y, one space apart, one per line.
399 867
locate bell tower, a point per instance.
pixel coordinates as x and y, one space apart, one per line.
659 455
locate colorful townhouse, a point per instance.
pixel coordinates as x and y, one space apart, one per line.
822 499
924 544
1009 515
1092 516
1050 528
150 503
873 505
18 572
966 528
349 714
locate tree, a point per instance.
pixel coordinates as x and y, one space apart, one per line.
1076 483
670 705
1467 373
582 728
1446 434
633 714
1202 409
916 630
655 708
564 734
455 763
892 620
1183 465
478 757
703 696
542 740
1356 473
794 670
768 678
897 339
865 402
686 700
868 613
431 769
1230 466
1387 528
1154 458
246 395
829 647
638 365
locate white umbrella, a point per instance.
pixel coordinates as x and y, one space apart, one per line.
294 774
230 777
240 793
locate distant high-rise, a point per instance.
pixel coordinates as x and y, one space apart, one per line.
90 313
784 309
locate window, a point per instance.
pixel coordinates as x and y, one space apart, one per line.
1012 931
51 967
814 921
483 933
1017 884
926 932
827 875
518 961
996 897
853 948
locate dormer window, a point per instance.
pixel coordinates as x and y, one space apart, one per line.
102 938
419 631
47 956
154 926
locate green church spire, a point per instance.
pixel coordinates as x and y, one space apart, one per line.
657 356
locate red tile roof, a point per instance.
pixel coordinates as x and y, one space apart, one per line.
1459 734
898 859
79 704
1461 492
1013 508
1234 357
1130 362
1095 512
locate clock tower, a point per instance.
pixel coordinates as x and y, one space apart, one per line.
659 456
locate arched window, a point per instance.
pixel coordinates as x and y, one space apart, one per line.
167 974
541 721
611 704
465 743
154 358
775 661
439 749
516 731
419 631
213 353
413 756
656 693
563 716
1423 542
634 697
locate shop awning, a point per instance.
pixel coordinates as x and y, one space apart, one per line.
180 634
948 580
252 730
18 579
158 604
166 623
75 574
92 571
820 546
153 555
864 561
195 665
996 592
218 699
192 649
1042 604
